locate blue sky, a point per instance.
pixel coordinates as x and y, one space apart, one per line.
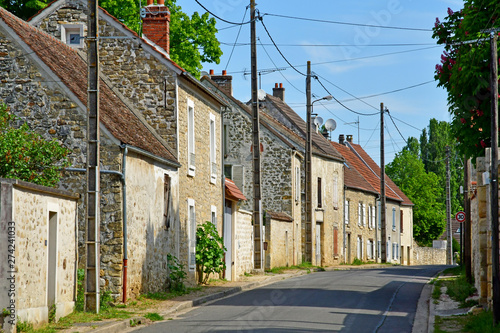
353 60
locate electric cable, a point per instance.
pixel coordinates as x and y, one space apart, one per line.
237 36
390 116
219 18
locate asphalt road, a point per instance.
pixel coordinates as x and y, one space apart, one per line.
369 300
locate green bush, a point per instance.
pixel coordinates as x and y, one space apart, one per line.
209 251
80 292
177 274
357 262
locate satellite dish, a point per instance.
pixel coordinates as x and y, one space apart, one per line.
261 95
318 121
330 125
143 12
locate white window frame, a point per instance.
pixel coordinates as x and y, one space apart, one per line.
191 143
297 184
393 219
379 215
372 214
213 150
191 231
364 215
346 212
72 29
360 214
213 214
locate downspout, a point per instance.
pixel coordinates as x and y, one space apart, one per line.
343 222
124 217
223 178
76 254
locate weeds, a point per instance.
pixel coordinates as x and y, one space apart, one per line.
153 316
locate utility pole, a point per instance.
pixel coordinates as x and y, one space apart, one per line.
308 164
257 223
449 248
494 176
467 229
383 240
92 227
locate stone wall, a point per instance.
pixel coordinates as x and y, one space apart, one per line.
199 186
143 76
32 209
243 243
407 236
354 230
428 255
280 243
150 235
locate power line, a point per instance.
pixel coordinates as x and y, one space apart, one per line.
390 116
356 112
219 18
237 36
371 135
340 45
418 129
347 23
277 48
389 92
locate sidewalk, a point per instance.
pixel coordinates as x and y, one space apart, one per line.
170 308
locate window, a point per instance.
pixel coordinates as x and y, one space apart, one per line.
335 191
359 253
379 249
361 214
401 221
191 235
320 199
297 184
379 216
394 219
346 212
364 215
213 209
372 213
226 140
72 35
166 200
228 171
191 139
213 154
395 251
369 249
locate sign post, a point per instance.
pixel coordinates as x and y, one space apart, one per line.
460 217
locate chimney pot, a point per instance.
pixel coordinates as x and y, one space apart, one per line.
349 138
150 2
276 85
224 72
279 91
211 72
281 85
341 139
161 2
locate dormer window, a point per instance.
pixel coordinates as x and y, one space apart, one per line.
72 35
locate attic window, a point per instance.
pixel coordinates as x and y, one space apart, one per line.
72 35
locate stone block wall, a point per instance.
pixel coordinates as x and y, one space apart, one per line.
428 255
280 243
28 209
140 74
243 243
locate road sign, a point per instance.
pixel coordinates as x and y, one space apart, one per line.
460 216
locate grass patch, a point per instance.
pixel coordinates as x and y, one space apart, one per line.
306 266
481 323
165 295
153 316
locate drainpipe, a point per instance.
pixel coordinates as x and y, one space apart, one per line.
124 217
76 254
343 222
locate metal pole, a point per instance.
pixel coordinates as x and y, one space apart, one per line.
308 164
494 178
258 253
92 226
449 252
383 240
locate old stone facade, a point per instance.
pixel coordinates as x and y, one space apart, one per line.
243 243
29 239
280 240
428 255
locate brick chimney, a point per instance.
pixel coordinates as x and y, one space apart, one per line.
349 138
224 81
341 139
156 24
279 91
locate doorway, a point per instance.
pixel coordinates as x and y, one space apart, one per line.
52 260
228 237
318 244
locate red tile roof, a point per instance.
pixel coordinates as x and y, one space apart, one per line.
72 71
233 192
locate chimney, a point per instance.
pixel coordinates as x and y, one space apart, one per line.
349 138
279 91
156 24
224 81
341 139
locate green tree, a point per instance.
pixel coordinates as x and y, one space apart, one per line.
27 156
424 190
24 8
209 251
464 72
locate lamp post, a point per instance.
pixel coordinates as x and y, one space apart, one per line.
309 178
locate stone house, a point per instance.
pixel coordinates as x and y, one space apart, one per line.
399 211
44 83
327 182
178 108
39 252
281 187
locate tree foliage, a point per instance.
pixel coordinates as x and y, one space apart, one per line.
464 72
24 8
27 156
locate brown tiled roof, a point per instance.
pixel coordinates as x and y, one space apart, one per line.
392 190
279 216
72 71
352 177
232 191
318 140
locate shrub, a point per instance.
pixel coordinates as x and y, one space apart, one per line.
209 251
177 274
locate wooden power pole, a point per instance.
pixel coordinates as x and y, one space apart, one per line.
383 231
92 227
257 223
308 168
